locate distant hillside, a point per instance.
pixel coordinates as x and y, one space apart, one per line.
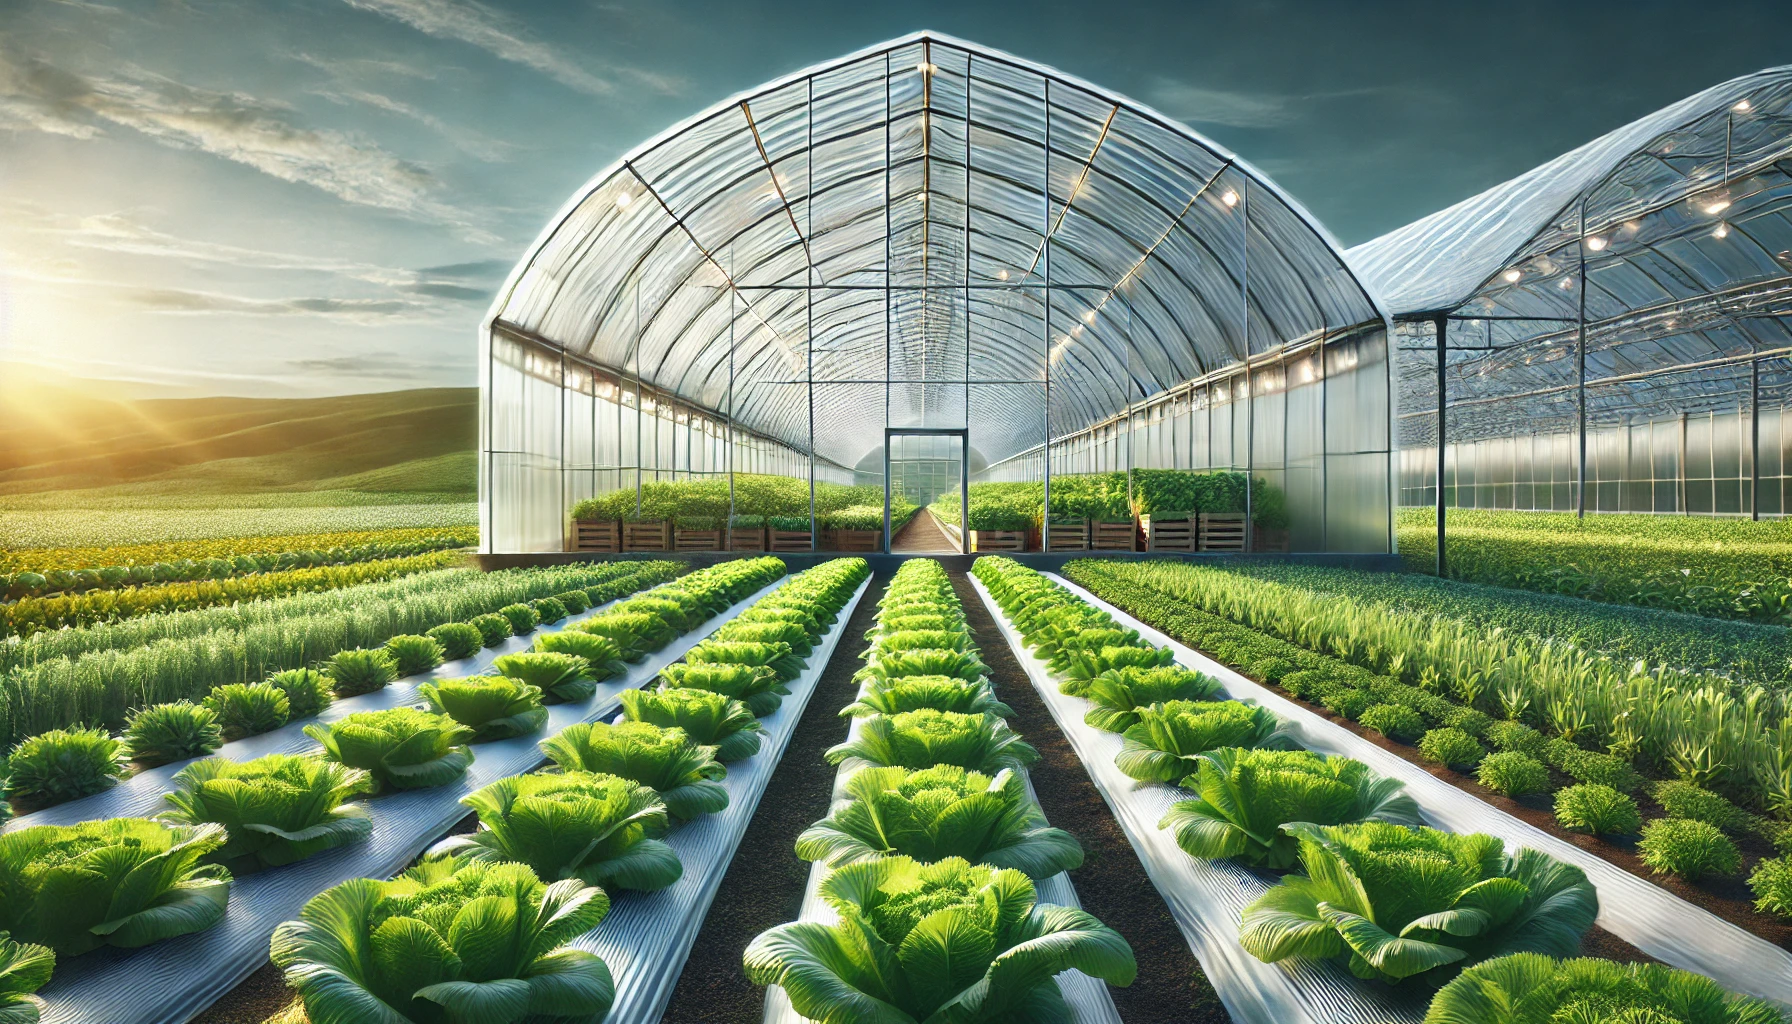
68 437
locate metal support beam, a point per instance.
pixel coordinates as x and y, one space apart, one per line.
1754 439
1443 326
1580 359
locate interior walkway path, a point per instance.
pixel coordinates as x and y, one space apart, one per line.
923 534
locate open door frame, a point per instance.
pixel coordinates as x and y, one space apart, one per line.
964 474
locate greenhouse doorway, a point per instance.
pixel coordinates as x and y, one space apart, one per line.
921 466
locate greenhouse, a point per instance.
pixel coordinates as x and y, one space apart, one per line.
934 253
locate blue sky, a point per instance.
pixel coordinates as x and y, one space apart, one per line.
320 196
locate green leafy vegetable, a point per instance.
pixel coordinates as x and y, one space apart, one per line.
1529 988
941 693
559 676
164 733
277 809
307 691
943 942
522 618
939 812
494 707
1119 694
603 659
1168 740
924 738
459 640
1397 902
24 968
684 773
120 882
776 656
1244 797
756 686
709 718
400 748
481 944
249 709
900 664
64 764
355 672
577 824
414 654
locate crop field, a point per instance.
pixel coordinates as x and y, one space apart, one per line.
1723 568
109 526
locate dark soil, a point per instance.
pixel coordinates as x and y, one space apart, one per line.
1111 884
764 885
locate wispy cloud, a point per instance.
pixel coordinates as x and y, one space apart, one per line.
232 125
183 301
1198 104
360 364
476 25
480 147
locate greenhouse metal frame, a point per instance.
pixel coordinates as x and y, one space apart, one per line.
932 234
1633 292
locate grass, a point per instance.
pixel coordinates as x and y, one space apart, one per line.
103 526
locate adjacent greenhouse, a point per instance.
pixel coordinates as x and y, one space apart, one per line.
995 288
1609 332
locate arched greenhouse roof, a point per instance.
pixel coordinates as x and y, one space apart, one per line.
879 224
1686 263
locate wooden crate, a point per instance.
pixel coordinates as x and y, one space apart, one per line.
652 536
1271 540
1070 535
746 538
597 535
1221 531
1169 534
788 540
697 540
1111 536
998 540
853 540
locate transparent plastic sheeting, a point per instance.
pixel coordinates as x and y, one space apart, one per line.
647 936
1206 897
172 981
1645 915
1088 997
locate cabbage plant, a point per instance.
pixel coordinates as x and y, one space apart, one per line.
1528 988
947 942
277 809
1244 797
776 656
789 634
118 882
925 662
1119 694
911 693
1394 902
1169 738
924 738
561 677
756 686
64 764
603 659
709 718
494 707
163 733
1084 666
635 634
399 748
478 944
25 967
685 774
919 640
939 812
584 825
249 709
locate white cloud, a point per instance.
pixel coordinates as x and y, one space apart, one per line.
476 25
1199 105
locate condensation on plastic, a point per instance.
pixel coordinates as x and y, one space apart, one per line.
1088 997
1645 915
647 936
172 981
1206 897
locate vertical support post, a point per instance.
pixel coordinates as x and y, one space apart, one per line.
963 513
1442 327
565 519
728 528
1580 360
809 303
1680 484
635 354
1045 320
1754 438
1250 385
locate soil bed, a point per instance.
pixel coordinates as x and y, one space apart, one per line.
764 884
1727 898
1111 884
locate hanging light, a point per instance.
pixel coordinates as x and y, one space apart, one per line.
1002 274
1723 230
926 68
623 199
1718 205
1742 105
1596 244
1567 283
1089 317
1230 198
1513 275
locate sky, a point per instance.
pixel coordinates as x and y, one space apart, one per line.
307 197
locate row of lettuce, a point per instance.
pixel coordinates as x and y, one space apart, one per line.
65 764
754 500
475 917
933 858
92 676
1393 901
1700 565
1523 714
41 572
1117 497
